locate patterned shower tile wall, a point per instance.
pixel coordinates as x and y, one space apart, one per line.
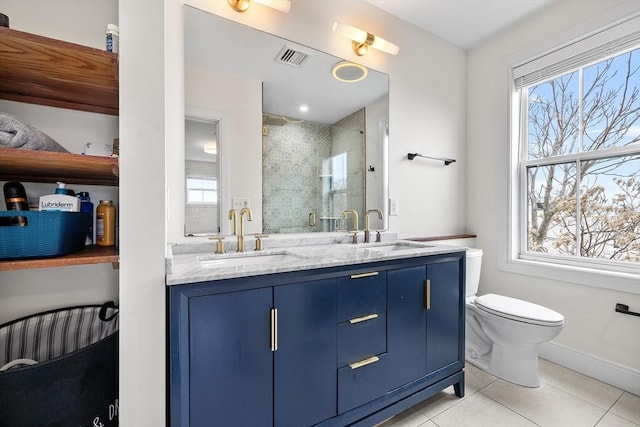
298 175
290 168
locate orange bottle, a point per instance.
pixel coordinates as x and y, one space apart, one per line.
106 223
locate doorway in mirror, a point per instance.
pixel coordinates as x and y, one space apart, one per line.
202 214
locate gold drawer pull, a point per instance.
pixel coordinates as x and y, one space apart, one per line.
361 275
364 362
274 329
363 318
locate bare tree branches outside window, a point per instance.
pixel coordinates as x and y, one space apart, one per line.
583 196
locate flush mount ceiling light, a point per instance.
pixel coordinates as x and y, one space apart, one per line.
349 72
361 40
211 147
243 5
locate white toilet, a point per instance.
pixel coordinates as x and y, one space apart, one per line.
502 333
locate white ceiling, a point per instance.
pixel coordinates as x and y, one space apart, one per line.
465 23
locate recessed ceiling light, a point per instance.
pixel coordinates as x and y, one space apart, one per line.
304 108
349 72
211 147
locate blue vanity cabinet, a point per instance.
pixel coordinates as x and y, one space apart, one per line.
350 345
430 298
253 357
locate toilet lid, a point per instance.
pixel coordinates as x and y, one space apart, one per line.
516 309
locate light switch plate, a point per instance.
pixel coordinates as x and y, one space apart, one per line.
240 202
393 207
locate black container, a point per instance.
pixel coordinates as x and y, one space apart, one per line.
75 379
15 196
4 20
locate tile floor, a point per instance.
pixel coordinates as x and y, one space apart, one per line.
565 398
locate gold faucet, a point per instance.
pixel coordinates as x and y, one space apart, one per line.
234 221
243 212
355 223
367 231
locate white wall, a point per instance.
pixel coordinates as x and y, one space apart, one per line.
238 101
143 135
24 292
595 339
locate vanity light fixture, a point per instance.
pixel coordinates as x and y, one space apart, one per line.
349 72
242 5
361 40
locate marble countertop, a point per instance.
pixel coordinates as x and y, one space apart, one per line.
197 263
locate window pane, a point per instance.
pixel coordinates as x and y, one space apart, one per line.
551 207
610 209
336 167
554 117
611 102
202 183
210 196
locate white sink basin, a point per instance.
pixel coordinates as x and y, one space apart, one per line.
247 259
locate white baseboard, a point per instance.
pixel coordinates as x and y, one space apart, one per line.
618 376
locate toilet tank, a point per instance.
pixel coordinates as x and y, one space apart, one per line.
474 264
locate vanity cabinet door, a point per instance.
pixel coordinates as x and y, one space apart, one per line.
305 359
407 324
231 363
444 317
424 319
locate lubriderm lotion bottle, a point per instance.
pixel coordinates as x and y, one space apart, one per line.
63 200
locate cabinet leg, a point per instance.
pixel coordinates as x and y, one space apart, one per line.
458 388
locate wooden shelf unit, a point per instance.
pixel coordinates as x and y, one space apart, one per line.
90 255
39 70
44 71
48 166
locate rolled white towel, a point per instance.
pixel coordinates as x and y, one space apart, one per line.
15 134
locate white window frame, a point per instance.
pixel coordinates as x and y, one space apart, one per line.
591 272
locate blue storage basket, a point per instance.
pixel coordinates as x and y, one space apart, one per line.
45 234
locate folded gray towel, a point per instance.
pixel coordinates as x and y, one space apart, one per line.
15 134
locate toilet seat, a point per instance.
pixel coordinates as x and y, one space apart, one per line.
522 311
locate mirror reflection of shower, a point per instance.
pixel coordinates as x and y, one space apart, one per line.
202 214
312 172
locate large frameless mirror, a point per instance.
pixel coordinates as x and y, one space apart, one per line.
322 140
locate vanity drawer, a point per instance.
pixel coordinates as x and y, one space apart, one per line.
361 294
359 385
362 337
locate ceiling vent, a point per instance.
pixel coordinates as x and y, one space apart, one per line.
291 56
